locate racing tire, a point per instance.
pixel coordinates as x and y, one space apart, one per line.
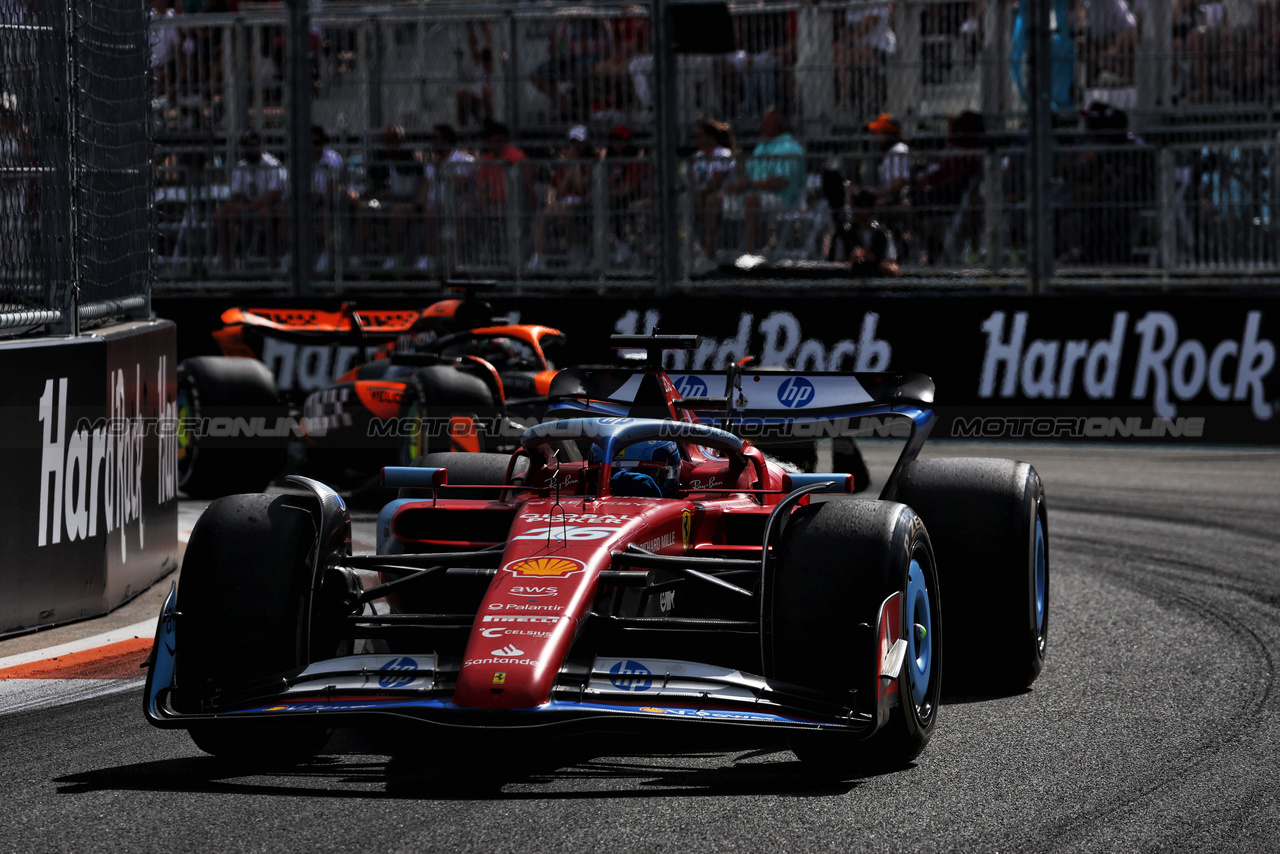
244 597
838 562
441 396
465 468
221 388
990 530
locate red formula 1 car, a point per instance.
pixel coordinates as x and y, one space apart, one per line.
620 573
357 389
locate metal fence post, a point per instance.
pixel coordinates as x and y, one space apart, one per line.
992 211
57 166
1040 149
1166 215
511 180
666 137
302 221
599 218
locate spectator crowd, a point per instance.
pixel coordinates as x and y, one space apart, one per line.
577 192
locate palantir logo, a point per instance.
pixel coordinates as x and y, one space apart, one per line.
691 386
795 392
630 676
398 672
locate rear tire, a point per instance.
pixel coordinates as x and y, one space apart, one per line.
226 389
436 399
244 597
838 563
990 530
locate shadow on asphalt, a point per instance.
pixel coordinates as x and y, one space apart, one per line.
489 775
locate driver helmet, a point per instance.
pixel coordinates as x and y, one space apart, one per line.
644 469
499 352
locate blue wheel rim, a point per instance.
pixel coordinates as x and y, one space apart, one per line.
1042 578
919 634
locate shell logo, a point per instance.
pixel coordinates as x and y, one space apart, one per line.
545 566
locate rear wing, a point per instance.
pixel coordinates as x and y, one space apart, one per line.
757 404
752 396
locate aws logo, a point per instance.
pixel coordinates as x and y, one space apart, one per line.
545 567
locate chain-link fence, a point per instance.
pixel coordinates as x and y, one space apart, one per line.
75 163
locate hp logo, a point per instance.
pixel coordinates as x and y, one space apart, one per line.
398 672
796 392
630 676
690 386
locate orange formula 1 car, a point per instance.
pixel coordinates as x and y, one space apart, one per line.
350 391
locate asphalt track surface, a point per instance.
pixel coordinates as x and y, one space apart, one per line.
1153 728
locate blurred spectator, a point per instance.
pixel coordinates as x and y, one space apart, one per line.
766 54
329 193
951 36
1108 33
259 188
893 177
872 251
166 49
1215 43
628 73
1063 50
475 96
1105 182
946 193
773 178
577 44
710 168
863 46
390 199
491 184
568 195
447 190
627 177
1262 69
498 157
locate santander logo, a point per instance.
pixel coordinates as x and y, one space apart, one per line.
508 651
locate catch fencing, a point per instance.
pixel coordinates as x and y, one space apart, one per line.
75 164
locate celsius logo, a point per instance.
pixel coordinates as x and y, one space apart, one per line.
398 672
508 651
795 392
630 676
691 386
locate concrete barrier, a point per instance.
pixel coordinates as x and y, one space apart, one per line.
88 448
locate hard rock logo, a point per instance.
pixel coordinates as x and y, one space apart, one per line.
545 566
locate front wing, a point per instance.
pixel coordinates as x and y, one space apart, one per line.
614 693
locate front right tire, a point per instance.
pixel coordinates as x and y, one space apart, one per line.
838 562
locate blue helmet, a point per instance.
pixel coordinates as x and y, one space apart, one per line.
644 469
